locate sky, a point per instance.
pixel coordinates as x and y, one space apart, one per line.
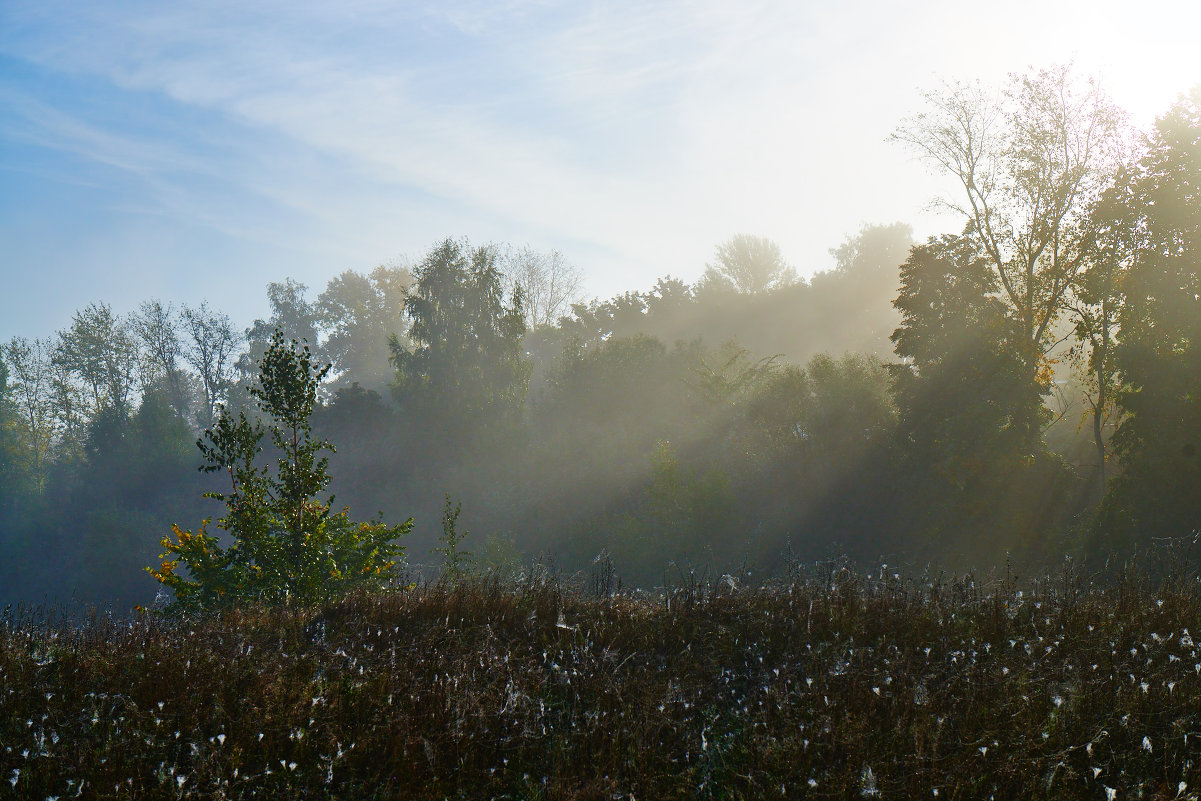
193 151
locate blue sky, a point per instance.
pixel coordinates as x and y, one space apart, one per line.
197 151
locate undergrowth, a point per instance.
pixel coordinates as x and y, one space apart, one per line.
834 684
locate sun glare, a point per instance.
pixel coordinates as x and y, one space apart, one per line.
1145 56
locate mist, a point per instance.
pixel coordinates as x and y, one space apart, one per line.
741 422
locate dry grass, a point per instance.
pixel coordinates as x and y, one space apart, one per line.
833 685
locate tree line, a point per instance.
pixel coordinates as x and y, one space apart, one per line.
1024 387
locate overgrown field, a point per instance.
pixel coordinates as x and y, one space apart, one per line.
832 685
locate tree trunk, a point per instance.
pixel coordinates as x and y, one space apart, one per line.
1098 419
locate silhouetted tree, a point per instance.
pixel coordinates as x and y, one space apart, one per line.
1031 164
965 398
1094 303
154 324
11 459
962 387
291 313
1159 354
30 376
99 351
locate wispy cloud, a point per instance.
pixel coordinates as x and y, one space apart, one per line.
38 123
632 135
617 99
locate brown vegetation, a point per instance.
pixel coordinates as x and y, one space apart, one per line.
831 685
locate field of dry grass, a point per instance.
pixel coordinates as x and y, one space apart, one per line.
834 684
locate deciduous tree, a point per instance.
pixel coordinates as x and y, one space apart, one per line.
465 370
30 378
1031 163
99 351
359 315
212 340
549 283
291 313
1094 303
962 388
748 264
1159 356
11 473
154 324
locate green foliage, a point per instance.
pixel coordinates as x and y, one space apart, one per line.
210 348
155 327
606 381
678 512
291 313
735 387
456 564
827 413
99 351
729 376
1031 162
1095 303
465 371
778 411
288 542
607 405
963 387
973 470
360 313
1159 354
554 431
851 404
11 458
29 369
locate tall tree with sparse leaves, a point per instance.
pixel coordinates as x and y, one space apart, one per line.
10 450
211 342
1031 162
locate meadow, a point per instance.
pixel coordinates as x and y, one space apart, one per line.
830 683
